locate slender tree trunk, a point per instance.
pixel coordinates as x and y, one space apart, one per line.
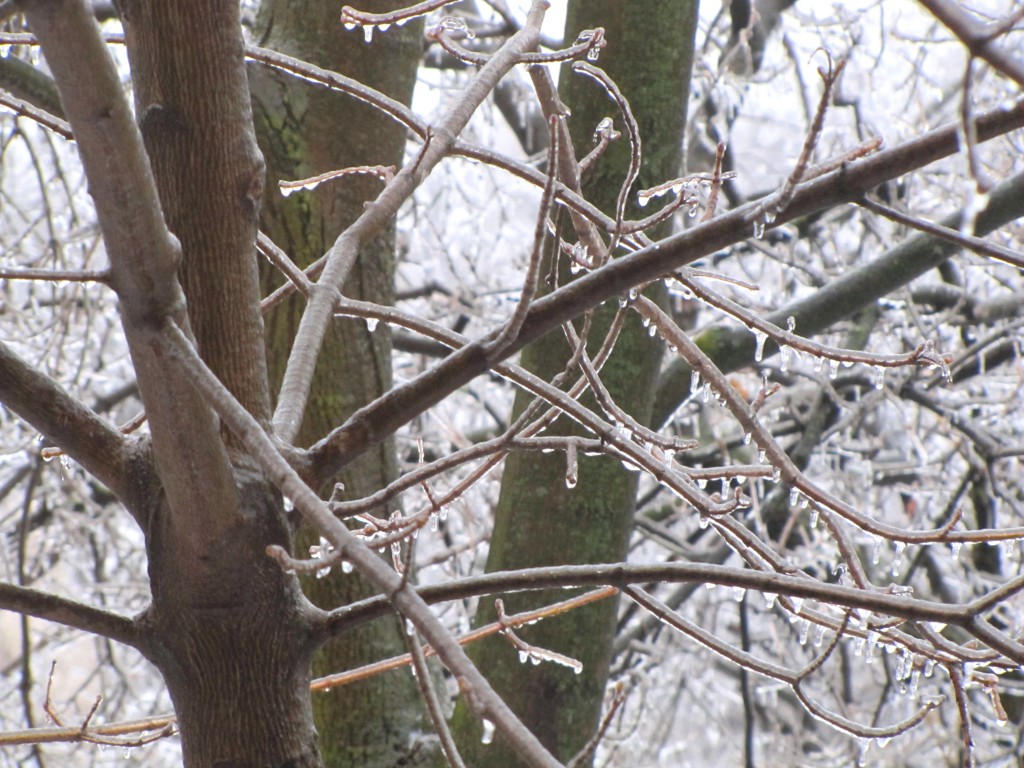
305 130
540 521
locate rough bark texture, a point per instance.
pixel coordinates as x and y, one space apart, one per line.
234 648
305 130
227 627
539 521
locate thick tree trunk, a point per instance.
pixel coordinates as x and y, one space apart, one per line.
234 644
305 130
539 520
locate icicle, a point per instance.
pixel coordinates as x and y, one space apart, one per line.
879 377
897 560
760 337
876 550
794 496
488 735
819 636
805 631
814 518
371 324
368 33
572 470
833 369
785 352
738 593
915 679
872 642
954 549
694 382
746 438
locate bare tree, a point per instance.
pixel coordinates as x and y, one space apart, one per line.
830 441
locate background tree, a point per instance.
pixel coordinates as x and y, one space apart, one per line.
297 123
811 481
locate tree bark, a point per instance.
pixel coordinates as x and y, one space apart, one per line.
539 520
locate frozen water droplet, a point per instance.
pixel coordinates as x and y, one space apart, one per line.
368 33
694 382
738 593
790 323
350 25
703 522
384 27
346 566
371 324
897 560
879 377
758 229
760 337
876 550
652 330
814 518
785 352
746 438
833 368
819 636
794 496
954 549
776 474
805 631
488 735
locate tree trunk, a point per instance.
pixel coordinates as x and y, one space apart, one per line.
235 648
229 630
306 130
539 520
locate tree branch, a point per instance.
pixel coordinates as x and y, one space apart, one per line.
979 39
70 613
104 452
374 422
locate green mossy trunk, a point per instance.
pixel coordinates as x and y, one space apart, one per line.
539 520
304 130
